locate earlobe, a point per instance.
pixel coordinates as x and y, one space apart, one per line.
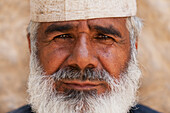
29 42
136 44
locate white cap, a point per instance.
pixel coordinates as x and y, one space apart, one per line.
64 10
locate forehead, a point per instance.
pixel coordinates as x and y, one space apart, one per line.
118 23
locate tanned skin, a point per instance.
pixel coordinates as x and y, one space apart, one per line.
94 43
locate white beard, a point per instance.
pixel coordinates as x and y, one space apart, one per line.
121 98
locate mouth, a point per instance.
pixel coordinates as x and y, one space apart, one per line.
81 85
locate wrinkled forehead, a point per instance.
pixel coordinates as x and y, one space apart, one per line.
116 23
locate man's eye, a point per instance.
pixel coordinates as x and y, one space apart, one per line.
103 37
63 36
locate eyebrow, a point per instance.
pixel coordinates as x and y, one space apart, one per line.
108 30
59 28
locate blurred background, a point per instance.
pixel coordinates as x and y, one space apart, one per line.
154 54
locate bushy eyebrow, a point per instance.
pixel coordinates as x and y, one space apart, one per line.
108 30
58 28
67 27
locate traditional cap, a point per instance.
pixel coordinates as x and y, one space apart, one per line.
64 10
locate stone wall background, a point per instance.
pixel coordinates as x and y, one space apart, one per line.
154 54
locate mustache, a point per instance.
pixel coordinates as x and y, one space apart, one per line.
75 73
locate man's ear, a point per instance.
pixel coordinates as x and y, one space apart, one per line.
136 43
29 42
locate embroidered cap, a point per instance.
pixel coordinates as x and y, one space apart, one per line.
64 10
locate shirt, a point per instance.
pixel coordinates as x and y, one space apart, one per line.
137 109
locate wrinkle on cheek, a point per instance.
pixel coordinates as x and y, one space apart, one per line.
106 57
52 59
113 60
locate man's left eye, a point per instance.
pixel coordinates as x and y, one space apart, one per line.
104 39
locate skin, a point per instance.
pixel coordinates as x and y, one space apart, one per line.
94 43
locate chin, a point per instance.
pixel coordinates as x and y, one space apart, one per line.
60 94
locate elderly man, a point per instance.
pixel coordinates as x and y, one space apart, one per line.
83 57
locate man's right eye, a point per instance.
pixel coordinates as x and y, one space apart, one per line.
63 36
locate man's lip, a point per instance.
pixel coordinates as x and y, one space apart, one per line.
81 85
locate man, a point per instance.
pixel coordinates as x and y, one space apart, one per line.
83 57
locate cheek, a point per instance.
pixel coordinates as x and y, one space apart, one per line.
51 58
114 60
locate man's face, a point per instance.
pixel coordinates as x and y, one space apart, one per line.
79 66
97 44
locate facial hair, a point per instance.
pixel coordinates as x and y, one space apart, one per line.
45 99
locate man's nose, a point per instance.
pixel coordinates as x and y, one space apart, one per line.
83 54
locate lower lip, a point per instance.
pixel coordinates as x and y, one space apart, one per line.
80 87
